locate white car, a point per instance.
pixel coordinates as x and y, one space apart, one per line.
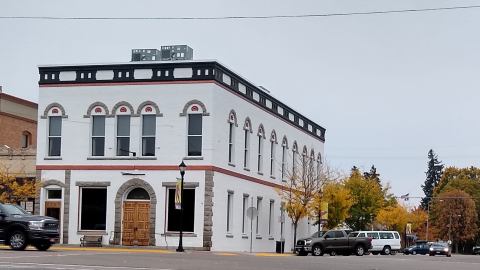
384 242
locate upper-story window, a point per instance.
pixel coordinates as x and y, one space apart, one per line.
284 157
149 124
319 164
232 123
194 110
54 135
312 161
294 158
98 135
273 142
97 112
261 137
195 134
26 139
123 112
247 129
123 135
54 113
305 160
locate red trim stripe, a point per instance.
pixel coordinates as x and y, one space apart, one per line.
158 168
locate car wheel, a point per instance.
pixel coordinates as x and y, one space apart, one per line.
18 240
414 253
317 251
387 250
359 250
43 246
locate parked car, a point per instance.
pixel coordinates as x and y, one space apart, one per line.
18 228
419 248
301 246
336 242
476 250
383 242
440 248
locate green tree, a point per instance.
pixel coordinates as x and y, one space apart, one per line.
373 175
368 198
434 174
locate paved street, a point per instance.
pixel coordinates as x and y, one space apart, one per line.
103 259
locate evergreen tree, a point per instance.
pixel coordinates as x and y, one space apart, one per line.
434 173
373 175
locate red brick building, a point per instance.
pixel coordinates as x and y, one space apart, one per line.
18 135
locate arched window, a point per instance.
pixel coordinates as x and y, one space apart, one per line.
273 142
319 163
54 113
284 156
247 129
138 194
261 137
232 123
149 113
123 112
294 157
194 110
26 139
97 112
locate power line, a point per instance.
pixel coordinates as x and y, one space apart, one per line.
263 17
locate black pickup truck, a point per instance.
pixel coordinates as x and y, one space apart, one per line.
18 229
334 242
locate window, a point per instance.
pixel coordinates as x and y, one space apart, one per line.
259 211
54 135
284 160
173 224
386 235
98 135
246 148
330 234
373 235
194 135
54 194
123 135
294 162
272 158
244 213
229 211
361 235
148 135
26 139
396 235
260 153
230 142
338 234
270 217
319 164
94 209
138 194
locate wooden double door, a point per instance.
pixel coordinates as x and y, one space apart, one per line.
136 223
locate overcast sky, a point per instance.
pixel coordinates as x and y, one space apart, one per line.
386 87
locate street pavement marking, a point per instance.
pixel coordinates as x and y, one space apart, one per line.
273 255
55 255
226 254
131 250
74 266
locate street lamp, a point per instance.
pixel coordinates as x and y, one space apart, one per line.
182 168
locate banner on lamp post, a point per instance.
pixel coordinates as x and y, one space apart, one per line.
324 212
178 194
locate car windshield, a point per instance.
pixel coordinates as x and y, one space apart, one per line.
317 234
14 210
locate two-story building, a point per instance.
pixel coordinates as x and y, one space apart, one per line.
111 137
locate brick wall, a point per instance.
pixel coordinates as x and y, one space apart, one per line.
11 129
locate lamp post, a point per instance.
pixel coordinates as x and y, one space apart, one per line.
428 214
182 168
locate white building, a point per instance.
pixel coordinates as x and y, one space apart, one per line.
111 136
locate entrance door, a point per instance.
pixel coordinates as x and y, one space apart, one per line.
52 209
136 223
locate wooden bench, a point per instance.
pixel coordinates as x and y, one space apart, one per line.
91 240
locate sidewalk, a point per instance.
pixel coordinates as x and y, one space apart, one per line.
158 250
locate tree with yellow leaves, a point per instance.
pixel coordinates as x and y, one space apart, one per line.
339 201
393 218
304 183
15 189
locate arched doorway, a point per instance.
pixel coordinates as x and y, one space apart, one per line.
136 218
